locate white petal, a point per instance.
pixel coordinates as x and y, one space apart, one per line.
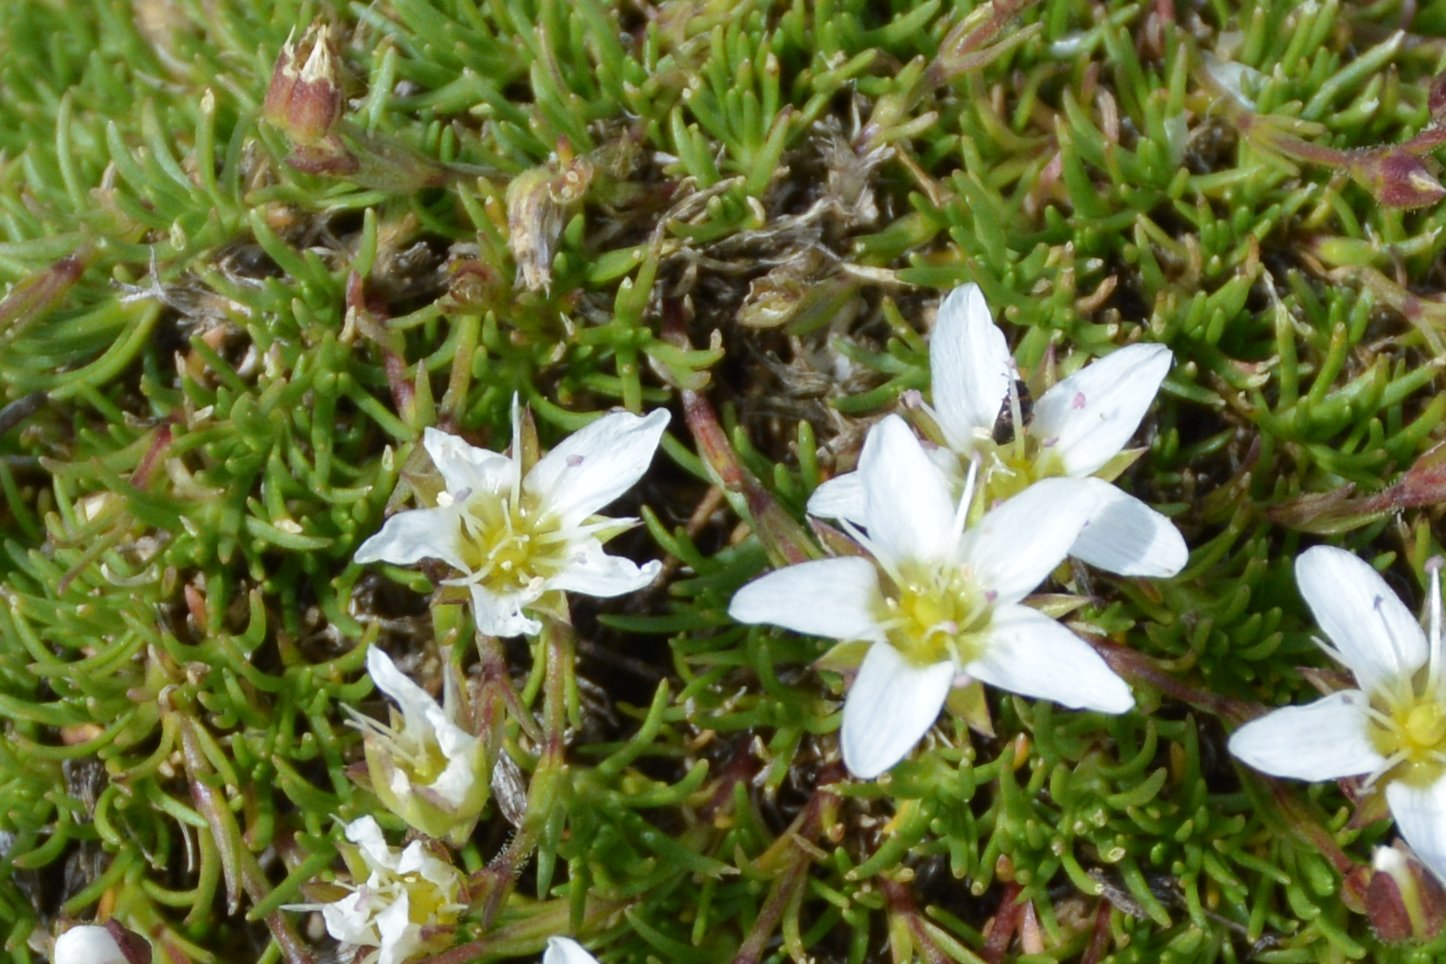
501 615
367 834
1232 77
418 859
890 707
417 534
466 468
451 738
595 465
841 497
908 510
350 920
1086 419
400 938
1420 814
416 703
424 722
1323 740
1018 543
465 767
565 950
1389 860
1376 636
87 944
1026 652
836 598
595 573
971 367
1127 537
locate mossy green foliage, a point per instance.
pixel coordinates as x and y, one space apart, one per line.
217 369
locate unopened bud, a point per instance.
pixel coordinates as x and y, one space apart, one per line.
1397 179
100 944
305 98
1403 901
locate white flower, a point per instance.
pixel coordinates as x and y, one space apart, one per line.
407 903
1078 428
517 534
1394 727
431 772
565 950
89 944
938 600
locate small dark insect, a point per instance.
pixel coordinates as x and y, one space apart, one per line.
1004 427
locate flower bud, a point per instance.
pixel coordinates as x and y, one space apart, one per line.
1403 902
100 944
1396 178
305 99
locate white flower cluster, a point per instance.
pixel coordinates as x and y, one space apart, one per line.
519 531
405 902
952 531
955 535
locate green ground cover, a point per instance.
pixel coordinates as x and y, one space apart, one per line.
221 340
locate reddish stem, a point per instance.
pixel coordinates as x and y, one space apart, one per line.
1001 927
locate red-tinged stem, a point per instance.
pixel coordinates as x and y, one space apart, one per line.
36 295
238 865
1137 666
900 900
794 851
496 680
1100 935
786 540
491 886
371 319
784 889
1303 823
1003 925
147 465
964 50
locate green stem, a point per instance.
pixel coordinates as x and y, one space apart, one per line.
492 885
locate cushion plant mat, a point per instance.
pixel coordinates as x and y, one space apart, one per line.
229 318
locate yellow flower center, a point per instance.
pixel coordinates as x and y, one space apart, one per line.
935 615
426 902
1414 733
426 762
1007 470
1425 726
507 542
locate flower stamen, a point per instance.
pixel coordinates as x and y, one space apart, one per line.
1433 637
933 614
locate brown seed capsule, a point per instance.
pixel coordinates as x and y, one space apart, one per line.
539 202
305 98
